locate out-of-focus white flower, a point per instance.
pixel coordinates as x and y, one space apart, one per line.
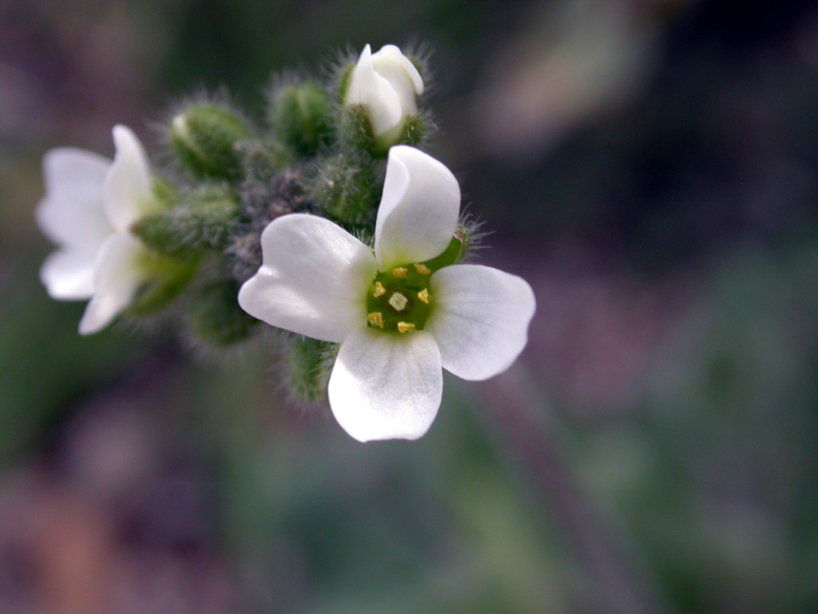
89 206
387 84
397 321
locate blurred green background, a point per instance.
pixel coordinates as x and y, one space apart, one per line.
649 166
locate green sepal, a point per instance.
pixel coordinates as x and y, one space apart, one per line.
201 220
355 132
342 80
452 255
414 130
308 368
168 277
215 318
345 190
301 116
205 137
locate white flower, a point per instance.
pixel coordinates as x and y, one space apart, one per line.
397 322
387 84
89 206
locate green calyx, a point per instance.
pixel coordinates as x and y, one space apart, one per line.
355 132
205 138
308 369
167 278
451 255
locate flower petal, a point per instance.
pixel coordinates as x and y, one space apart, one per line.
68 274
314 278
418 211
117 276
128 193
405 79
480 320
71 213
367 87
386 386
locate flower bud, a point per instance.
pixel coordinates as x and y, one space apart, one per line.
344 190
300 115
386 85
205 139
201 220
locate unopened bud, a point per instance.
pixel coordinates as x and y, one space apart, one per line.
300 115
205 138
346 191
384 86
201 220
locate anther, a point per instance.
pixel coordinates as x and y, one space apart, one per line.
423 269
405 327
423 295
379 290
398 301
399 272
375 319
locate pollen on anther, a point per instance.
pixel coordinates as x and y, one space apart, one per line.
379 290
423 295
399 272
405 327
423 269
375 319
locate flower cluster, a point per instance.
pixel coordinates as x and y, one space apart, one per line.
267 230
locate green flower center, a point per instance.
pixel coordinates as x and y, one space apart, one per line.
399 300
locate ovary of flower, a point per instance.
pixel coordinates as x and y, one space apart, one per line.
385 384
89 206
387 84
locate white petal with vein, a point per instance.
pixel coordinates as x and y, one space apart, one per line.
386 386
68 274
480 319
117 276
128 193
419 208
72 214
314 278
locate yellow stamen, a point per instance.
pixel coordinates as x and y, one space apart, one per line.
399 272
379 290
375 319
398 301
405 326
423 295
422 269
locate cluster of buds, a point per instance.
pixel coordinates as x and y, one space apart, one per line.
329 225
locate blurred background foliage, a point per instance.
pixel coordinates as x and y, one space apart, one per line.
649 166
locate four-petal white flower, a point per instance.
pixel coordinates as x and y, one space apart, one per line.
387 84
89 206
319 281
